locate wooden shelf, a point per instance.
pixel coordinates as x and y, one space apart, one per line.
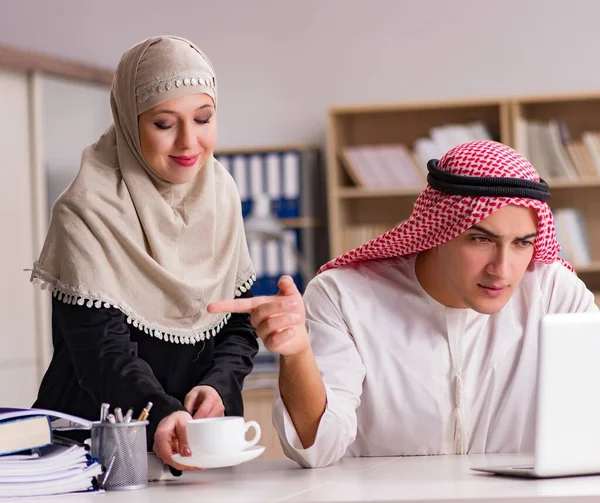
360 193
588 182
593 268
262 378
258 404
590 275
414 105
363 193
257 149
300 223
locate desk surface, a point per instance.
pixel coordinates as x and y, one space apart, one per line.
435 478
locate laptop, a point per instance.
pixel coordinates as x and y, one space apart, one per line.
567 432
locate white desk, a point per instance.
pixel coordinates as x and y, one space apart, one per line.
436 478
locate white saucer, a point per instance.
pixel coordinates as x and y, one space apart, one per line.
219 460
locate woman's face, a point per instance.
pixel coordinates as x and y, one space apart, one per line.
177 136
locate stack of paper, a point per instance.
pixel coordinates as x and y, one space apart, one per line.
55 469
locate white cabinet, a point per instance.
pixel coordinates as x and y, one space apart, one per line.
49 111
17 312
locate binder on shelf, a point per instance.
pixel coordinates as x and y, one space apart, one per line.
291 185
257 175
241 177
289 257
277 174
257 254
274 177
286 177
272 267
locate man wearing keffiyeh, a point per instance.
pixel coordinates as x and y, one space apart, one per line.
424 340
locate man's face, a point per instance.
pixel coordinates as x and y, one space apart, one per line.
482 267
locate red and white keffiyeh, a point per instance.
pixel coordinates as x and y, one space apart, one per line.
438 217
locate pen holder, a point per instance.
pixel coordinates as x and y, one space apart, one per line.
122 450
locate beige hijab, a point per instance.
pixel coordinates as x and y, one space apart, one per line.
121 236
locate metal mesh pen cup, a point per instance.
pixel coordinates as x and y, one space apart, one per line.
122 450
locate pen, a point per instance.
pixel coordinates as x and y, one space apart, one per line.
145 411
104 411
107 472
111 418
118 414
128 416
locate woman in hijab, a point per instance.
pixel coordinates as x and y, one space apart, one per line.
148 234
424 340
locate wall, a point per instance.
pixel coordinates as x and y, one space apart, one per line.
281 63
73 116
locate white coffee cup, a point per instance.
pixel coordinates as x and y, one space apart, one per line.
220 435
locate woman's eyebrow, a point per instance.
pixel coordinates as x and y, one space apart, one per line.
167 111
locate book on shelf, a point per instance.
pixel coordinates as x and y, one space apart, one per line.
549 146
572 236
395 165
382 166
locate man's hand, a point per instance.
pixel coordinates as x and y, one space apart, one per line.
280 320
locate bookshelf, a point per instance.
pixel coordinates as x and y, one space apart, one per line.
578 117
358 212
405 123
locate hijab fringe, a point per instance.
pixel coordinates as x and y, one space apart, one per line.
69 295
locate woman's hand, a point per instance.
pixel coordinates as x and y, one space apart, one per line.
171 438
204 401
280 320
